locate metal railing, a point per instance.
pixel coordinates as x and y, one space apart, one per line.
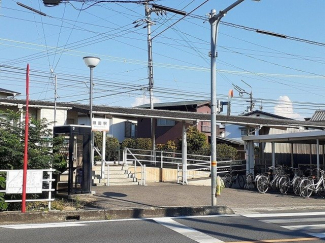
46 187
132 164
196 165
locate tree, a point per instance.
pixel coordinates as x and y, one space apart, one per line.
40 143
112 146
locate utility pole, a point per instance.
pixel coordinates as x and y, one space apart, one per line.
241 91
150 71
55 95
148 10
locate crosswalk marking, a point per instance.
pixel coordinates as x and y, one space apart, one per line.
269 215
186 231
299 223
299 220
39 226
306 227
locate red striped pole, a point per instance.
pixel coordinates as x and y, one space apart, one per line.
23 206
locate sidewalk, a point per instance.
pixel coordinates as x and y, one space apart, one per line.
166 199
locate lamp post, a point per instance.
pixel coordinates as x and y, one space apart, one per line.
91 62
214 20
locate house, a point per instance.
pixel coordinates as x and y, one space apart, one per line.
70 114
5 93
171 129
237 131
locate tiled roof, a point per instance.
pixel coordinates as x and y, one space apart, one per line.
230 140
318 116
9 92
179 103
265 114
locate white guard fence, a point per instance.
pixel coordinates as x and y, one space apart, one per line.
135 158
38 181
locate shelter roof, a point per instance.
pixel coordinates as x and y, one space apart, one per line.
134 113
308 137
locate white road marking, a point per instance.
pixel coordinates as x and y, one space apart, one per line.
269 215
299 220
318 235
305 227
186 231
40 226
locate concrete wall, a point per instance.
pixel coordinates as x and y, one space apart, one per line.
154 174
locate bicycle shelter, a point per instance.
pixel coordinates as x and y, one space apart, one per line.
316 138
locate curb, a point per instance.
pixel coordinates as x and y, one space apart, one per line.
109 214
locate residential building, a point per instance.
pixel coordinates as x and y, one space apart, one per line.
172 129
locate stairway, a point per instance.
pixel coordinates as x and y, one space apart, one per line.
117 176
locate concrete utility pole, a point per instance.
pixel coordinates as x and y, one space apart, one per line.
150 70
55 97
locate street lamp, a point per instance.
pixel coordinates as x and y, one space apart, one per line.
214 20
91 62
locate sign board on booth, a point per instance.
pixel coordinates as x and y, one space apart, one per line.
14 181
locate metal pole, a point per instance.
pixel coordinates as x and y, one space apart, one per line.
273 154
214 21
214 26
103 156
317 152
184 154
91 123
24 189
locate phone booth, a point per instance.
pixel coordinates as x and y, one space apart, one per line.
76 151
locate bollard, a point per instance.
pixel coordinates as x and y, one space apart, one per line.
218 191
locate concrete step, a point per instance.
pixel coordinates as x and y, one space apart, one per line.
117 176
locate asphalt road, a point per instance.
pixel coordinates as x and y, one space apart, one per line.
258 227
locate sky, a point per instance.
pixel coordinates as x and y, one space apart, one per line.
284 75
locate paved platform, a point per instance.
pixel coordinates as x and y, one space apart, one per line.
176 195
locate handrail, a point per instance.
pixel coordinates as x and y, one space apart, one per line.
135 160
166 159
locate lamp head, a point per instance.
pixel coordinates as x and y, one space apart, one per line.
91 62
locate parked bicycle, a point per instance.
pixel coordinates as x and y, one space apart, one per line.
308 186
264 182
290 180
234 177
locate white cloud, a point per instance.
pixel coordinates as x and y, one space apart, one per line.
144 100
285 108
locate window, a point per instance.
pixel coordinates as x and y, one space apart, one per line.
165 123
206 127
130 129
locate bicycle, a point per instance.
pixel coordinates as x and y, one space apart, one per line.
264 182
285 183
233 177
308 186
